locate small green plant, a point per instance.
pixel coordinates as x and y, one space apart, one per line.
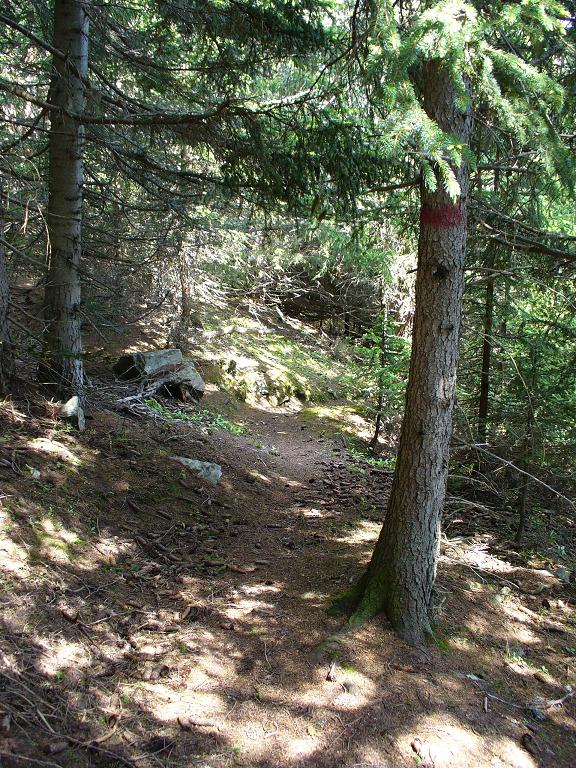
442 644
111 568
203 417
514 656
364 455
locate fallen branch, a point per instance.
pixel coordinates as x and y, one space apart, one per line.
479 447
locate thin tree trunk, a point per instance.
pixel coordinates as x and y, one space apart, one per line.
62 366
373 445
381 378
484 399
487 345
527 454
401 574
487 338
183 330
6 347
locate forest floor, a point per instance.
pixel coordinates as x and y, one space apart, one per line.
152 619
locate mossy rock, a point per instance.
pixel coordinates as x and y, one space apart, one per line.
251 381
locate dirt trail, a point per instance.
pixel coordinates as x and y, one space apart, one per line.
152 619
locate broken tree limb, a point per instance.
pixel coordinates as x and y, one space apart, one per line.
184 384
138 365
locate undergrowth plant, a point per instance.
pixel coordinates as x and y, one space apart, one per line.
204 417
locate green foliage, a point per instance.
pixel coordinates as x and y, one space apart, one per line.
367 457
387 356
203 417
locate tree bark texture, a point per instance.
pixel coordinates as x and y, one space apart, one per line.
6 348
62 366
402 571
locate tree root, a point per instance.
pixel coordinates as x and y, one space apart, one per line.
346 603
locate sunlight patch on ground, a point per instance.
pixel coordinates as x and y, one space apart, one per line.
312 512
259 476
299 748
443 742
12 556
243 607
365 532
168 705
54 449
473 551
512 754
69 537
338 418
255 589
61 658
314 596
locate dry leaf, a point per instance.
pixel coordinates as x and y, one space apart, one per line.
242 568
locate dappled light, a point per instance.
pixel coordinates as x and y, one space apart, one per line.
217 658
287 384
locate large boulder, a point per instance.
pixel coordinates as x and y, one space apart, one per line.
184 384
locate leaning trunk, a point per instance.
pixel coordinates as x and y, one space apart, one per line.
62 354
401 573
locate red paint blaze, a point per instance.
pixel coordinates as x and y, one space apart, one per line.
442 216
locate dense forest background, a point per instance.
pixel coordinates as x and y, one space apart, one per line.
285 192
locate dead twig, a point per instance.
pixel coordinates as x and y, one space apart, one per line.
34 760
559 702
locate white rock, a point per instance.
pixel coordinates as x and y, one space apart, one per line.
207 471
73 412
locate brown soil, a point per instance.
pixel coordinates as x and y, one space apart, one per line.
153 620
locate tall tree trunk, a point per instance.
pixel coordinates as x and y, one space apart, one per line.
487 337
487 345
6 348
401 574
185 283
63 367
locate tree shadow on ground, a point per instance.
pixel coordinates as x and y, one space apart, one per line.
149 619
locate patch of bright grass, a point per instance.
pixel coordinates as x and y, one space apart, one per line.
364 455
442 644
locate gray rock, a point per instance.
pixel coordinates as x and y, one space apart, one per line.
205 469
537 713
562 574
138 365
185 383
73 413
